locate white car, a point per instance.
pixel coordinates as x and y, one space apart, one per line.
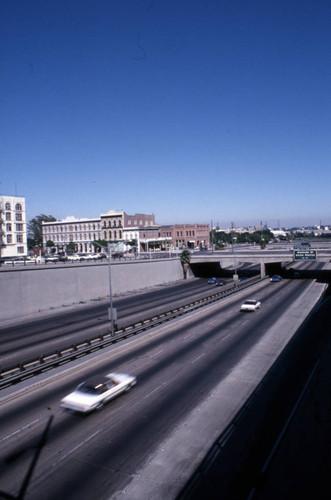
96 391
250 305
73 258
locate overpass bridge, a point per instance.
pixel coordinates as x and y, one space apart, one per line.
270 261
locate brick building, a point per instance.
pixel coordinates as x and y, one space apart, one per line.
187 235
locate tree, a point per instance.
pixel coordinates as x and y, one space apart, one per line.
35 228
71 247
100 243
185 258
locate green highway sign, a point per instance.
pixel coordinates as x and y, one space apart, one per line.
304 254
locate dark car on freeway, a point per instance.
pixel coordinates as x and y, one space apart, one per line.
276 278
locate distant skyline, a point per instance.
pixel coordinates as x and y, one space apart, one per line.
194 111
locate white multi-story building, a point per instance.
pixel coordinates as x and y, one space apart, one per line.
13 231
82 232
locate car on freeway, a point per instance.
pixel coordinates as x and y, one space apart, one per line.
250 305
96 391
276 278
221 282
212 281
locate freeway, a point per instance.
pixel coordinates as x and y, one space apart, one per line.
179 367
34 337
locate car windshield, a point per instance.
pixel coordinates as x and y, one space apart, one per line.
92 389
250 302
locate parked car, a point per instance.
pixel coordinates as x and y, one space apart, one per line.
96 391
84 256
212 281
15 260
276 278
250 305
51 258
73 258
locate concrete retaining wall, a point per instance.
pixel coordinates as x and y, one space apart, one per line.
27 291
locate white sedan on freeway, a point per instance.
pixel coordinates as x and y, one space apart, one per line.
250 305
96 391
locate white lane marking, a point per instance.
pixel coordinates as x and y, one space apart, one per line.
199 357
226 336
155 390
78 446
244 323
156 353
20 430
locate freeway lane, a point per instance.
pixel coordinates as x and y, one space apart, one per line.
33 338
177 366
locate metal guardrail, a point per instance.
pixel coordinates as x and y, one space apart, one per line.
53 359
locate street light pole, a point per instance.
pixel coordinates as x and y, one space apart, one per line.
110 293
111 315
235 277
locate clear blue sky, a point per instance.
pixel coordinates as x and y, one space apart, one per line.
192 110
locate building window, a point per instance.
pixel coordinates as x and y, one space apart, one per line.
8 227
18 206
120 234
105 234
20 250
19 238
115 235
7 206
19 227
19 216
9 238
8 216
110 235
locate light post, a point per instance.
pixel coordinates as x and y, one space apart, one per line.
235 276
112 313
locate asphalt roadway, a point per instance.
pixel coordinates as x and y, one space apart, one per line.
298 467
283 448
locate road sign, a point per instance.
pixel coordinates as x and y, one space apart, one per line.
302 245
304 254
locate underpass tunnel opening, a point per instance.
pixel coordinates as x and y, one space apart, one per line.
207 269
214 269
274 268
320 275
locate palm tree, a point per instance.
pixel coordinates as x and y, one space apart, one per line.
185 258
